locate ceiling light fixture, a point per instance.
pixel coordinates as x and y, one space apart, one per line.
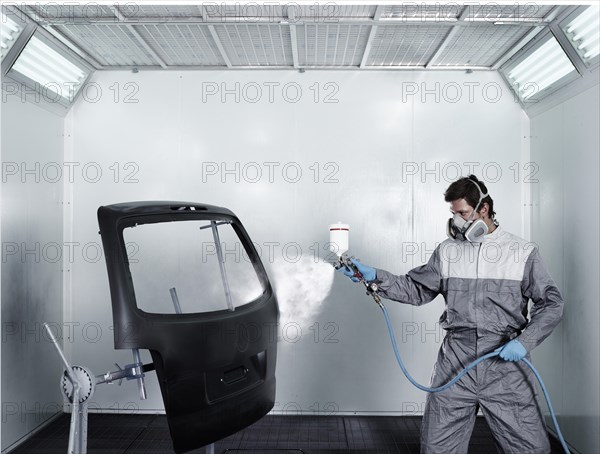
542 68
584 33
45 66
9 32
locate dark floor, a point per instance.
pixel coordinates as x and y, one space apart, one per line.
136 434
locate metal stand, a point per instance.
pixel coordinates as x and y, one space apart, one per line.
78 384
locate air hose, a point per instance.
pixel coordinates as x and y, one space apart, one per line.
464 371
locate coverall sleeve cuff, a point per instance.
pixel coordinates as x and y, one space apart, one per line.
383 279
526 341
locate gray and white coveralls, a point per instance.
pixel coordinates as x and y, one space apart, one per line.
487 287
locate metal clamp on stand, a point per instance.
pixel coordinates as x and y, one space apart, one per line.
133 371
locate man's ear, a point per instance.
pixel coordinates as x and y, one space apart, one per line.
484 211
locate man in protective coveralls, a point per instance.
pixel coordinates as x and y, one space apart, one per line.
487 277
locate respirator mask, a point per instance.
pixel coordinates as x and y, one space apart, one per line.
470 230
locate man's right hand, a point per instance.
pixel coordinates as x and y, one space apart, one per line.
368 272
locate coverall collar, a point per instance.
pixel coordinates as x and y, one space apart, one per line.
494 235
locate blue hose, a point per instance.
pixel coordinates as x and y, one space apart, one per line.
464 371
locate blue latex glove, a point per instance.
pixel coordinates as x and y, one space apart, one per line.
512 351
368 272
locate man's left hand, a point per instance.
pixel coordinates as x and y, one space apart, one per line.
512 351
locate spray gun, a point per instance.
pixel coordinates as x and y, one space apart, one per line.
338 243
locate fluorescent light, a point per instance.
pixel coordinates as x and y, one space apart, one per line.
584 33
593 51
548 80
9 32
531 64
42 64
540 69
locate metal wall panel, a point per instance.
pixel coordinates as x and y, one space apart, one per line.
565 147
330 12
257 45
493 11
332 45
57 11
406 45
110 45
443 13
480 45
182 44
246 13
176 11
32 268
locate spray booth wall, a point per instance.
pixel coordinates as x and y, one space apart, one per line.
32 271
565 143
291 153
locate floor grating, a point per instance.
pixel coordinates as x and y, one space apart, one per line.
149 434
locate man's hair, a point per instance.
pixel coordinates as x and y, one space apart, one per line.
465 189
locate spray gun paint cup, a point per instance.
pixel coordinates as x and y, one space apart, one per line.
339 238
